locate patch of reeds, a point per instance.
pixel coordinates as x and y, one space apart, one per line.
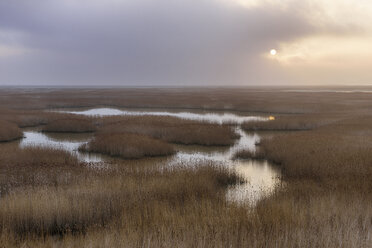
70 126
37 166
290 123
332 152
127 145
172 130
136 201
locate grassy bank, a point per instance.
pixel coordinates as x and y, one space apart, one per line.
126 145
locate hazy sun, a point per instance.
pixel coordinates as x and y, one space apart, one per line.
273 52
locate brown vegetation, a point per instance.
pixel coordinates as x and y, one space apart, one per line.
126 145
36 167
340 150
248 154
290 123
262 99
9 131
133 204
70 126
172 130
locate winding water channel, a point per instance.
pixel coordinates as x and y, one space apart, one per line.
261 178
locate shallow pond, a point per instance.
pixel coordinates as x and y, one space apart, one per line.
261 177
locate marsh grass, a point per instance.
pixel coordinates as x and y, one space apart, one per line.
70 126
127 145
36 166
333 152
9 131
172 130
135 201
291 123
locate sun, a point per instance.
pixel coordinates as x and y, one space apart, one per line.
273 52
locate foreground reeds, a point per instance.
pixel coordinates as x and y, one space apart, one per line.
141 205
36 166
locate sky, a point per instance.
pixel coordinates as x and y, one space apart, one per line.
185 42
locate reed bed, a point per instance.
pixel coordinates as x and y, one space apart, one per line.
70 126
173 130
338 151
9 131
127 145
37 166
291 123
141 205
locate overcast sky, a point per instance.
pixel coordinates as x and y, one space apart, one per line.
185 42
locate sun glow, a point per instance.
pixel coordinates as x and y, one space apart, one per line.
273 52
326 51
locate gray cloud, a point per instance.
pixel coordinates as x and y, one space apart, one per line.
142 42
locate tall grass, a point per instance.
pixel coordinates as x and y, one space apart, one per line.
338 151
136 202
37 167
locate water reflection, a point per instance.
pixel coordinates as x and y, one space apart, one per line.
41 140
219 118
261 178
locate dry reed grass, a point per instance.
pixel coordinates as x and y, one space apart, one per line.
37 167
135 202
172 130
70 126
126 145
339 150
291 123
9 131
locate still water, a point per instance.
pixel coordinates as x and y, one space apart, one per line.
219 118
261 178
